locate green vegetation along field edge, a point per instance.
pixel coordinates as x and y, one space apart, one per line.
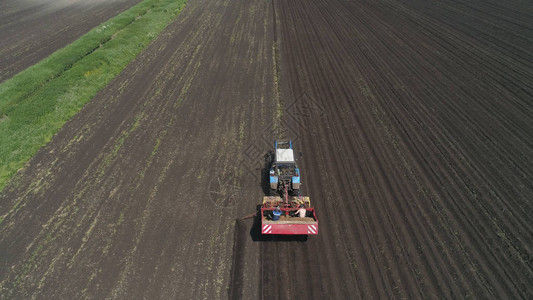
38 101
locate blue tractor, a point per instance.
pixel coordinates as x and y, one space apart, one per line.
284 174
284 177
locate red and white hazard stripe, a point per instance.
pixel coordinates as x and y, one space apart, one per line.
311 229
267 228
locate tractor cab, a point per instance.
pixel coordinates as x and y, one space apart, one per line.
284 172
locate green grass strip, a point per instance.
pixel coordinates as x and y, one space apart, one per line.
38 101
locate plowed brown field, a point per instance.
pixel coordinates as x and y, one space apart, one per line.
413 118
31 30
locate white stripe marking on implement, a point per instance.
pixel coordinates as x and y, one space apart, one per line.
267 228
311 229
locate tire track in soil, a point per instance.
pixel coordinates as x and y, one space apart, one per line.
238 263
